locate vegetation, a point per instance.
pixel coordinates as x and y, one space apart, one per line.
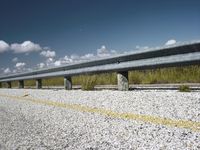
166 75
184 88
88 82
189 74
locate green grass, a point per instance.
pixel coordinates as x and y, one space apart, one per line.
184 88
166 75
189 74
88 82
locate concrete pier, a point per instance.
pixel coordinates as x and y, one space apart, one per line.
122 79
38 83
9 84
21 84
67 83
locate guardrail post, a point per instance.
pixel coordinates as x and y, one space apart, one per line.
38 83
21 84
122 79
67 83
9 84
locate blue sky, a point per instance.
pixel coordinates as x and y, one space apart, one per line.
44 33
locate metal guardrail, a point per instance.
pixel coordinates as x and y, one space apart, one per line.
188 54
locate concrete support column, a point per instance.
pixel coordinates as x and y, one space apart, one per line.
122 79
38 83
21 84
67 83
9 84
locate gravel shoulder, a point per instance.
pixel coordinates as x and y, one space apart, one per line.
26 125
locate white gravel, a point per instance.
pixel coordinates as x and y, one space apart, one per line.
26 125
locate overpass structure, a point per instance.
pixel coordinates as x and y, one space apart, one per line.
173 56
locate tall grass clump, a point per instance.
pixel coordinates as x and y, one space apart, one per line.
53 81
189 74
101 79
88 82
135 77
29 83
184 88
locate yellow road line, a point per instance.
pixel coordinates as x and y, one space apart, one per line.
192 125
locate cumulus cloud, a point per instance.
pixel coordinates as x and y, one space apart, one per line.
103 51
113 52
20 65
67 60
41 65
141 47
48 54
14 71
170 42
74 57
58 63
3 46
25 47
89 56
7 70
49 62
15 59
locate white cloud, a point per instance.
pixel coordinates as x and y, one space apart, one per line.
41 65
29 69
48 54
170 42
14 71
103 51
3 46
74 57
15 59
142 47
88 56
7 70
50 62
67 59
25 47
113 52
58 63
20 65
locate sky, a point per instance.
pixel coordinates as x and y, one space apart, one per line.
44 33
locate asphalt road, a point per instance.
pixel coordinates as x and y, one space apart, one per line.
32 123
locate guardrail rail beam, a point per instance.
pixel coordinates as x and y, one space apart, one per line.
172 56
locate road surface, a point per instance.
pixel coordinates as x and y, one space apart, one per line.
59 119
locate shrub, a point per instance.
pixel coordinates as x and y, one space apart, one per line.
184 88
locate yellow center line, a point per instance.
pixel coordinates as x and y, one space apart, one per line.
192 125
